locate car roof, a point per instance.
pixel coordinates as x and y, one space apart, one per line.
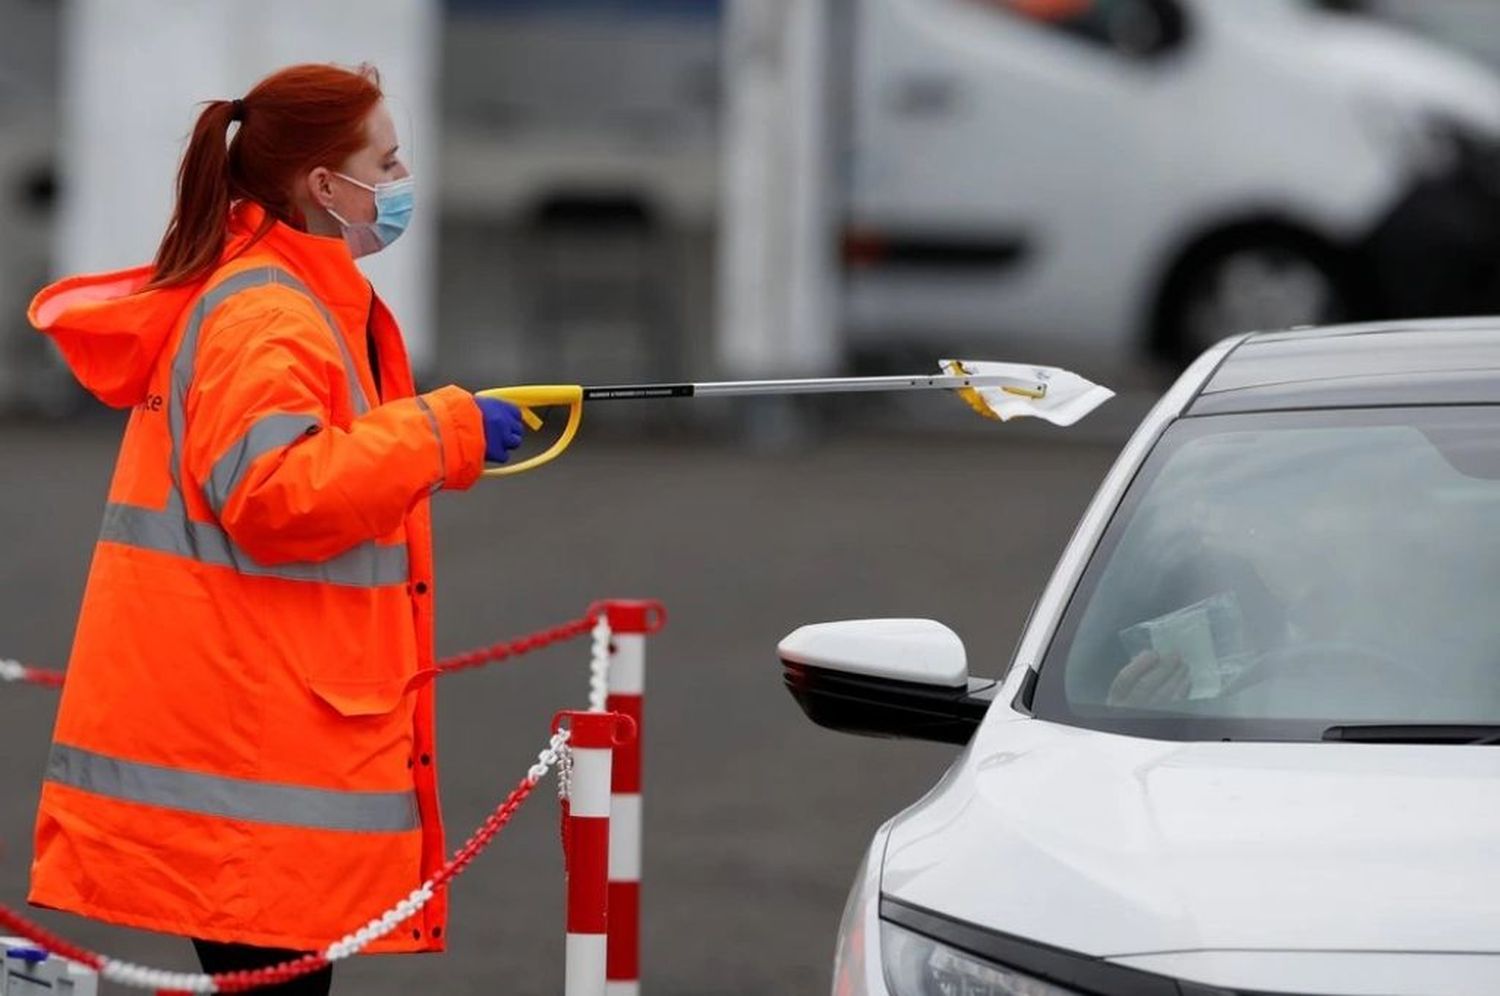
1419 362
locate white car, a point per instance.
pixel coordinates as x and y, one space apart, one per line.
1106 178
1250 738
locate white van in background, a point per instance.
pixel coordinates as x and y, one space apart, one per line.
1115 178
1472 26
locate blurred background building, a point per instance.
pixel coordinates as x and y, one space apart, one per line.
633 189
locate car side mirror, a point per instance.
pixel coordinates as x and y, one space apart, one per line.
886 678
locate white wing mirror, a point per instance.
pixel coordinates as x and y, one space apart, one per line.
886 678
919 651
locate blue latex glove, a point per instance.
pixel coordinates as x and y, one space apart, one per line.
503 428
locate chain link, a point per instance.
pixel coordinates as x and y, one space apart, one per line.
565 775
515 648
16 671
599 664
555 753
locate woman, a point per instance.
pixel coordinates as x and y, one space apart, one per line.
244 751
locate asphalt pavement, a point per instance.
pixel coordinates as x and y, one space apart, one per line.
755 819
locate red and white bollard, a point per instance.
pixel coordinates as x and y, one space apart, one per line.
630 622
592 739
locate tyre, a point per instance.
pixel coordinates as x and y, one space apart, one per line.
1246 284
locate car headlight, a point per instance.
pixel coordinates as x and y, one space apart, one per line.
916 965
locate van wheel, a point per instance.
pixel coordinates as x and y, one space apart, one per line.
1247 285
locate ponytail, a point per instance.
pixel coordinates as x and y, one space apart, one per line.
292 121
200 222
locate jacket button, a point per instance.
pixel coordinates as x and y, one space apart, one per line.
437 931
408 762
416 934
426 759
420 587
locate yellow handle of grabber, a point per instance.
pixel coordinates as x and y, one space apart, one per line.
528 398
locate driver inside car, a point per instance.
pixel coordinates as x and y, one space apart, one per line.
1153 677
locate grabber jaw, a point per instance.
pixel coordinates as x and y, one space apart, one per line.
1034 389
969 394
1049 393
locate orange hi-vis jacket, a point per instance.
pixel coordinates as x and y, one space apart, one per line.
244 748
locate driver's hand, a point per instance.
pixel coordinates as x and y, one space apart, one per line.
1150 679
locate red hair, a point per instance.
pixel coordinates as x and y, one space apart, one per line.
292 121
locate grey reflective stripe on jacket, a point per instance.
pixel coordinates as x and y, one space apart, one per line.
170 530
270 432
367 565
233 798
437 433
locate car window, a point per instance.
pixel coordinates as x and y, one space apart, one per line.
1130 27
1272 575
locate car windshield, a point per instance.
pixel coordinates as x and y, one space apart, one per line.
1268 576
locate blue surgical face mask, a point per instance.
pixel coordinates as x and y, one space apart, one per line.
394 201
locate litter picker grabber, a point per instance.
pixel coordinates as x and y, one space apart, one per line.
994 390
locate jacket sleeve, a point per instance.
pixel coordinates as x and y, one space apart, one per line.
287 484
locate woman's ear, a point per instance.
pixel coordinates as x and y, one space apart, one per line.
320 186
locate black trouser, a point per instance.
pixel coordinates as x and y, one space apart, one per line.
218 957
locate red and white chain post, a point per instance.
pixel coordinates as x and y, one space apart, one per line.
620 638
592 739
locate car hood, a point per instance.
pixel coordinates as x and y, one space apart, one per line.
1113 845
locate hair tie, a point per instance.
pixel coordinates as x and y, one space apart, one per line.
237 110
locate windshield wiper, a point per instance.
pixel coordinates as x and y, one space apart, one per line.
1416 733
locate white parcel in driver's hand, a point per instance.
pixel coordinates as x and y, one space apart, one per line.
1207 635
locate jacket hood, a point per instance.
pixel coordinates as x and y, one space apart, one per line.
109 330
112 330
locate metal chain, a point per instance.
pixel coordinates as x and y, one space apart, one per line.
565 775
556 753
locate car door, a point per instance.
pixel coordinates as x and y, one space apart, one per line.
1006 119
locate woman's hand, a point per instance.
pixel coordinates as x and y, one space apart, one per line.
502 428
1150 679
